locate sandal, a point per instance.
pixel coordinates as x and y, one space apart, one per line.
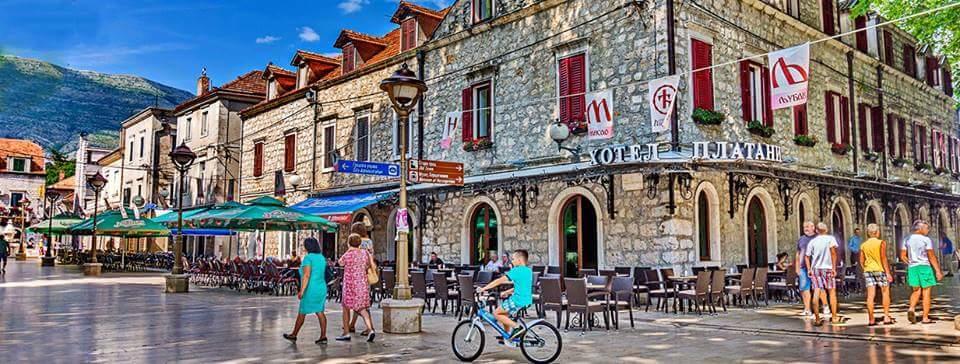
818 322
321 341
889 321
912 317
871 324
292 338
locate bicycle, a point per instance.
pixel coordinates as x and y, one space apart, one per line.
536 343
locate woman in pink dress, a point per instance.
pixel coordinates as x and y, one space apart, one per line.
356 289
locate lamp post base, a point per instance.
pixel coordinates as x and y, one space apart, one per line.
21 256
177 283
92 269
48 261
402 316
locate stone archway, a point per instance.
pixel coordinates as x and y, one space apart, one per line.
841 225
803 211
413 240
468 224
706 220
555 216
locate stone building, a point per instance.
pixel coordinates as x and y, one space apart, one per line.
879 117
22 176
86 159
147 139
349 118
210 125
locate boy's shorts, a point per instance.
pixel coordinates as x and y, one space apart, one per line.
875 279
921 276
511 307
824 279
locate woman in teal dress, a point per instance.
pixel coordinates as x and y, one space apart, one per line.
313 290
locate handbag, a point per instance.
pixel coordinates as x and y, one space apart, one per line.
372 276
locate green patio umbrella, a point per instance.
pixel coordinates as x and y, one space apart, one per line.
264 213
112 223
60 225
170 218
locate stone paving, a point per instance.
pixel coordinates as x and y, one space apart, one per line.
58 316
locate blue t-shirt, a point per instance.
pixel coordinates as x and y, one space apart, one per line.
854 244
802 248
522 278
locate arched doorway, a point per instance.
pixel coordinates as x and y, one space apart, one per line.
756 233
707 222
872 217
483 233
836 218
578 236
801 216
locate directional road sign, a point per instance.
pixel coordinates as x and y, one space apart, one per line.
426 171
369 168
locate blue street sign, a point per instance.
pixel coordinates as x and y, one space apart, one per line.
369 168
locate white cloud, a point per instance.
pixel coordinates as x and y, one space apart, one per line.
352 6
308 35
267 39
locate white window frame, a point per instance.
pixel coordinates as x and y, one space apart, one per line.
473 11
837 118
416 32
365 115
411 134
142 146
757 101
130 154
204 123
271 88
709 40
792 8
324 128
476 109
302 75
26 164
186 129
868 124
356 55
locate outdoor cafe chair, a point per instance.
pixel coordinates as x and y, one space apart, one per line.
621 293
484 277
760 286
786 287
608 273
583 273
445 294
553 269
699 294
656 289
625 271
552 297
420 290
640 284
717 284
579 302
744 289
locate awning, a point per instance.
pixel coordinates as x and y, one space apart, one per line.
205 232
340 209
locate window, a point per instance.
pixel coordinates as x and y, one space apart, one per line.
478 113
19 164
349 58
258 159
329 147
932 70
902 137
271 89
703 225
231 186
755 92
15 198
141 147
482 10
406 138
702 81
126 196
876 130
860 24
947 82
130 151
483 234
829 19
303 74
289 152
892 136
362 152
837 118
800 120
572 88
921 140
910 60
204 126
793 8
408 32
888 48
865 124
186 129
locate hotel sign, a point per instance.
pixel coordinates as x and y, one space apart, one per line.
715 151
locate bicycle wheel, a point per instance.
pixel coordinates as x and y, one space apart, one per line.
541 343
467 341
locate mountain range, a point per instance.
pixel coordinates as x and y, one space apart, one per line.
52 105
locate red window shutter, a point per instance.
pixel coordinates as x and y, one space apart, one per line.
289 152
862 126
831 117
922 137
877 129
563 78
910 61
800 119
578 87
258 159
902 136
888 48
891 136
745 96
467 116
702 80
860 23
931 69
409 34
845 120
348 58
829 20
947 82
949 154
765 85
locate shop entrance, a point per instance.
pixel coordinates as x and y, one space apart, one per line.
756 234
578 232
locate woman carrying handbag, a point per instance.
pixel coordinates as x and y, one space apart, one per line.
357 263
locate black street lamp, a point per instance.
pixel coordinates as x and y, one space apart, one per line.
96 182
177 282
47 260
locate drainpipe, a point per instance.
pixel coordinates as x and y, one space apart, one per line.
883 119
852 104
313 158
672 70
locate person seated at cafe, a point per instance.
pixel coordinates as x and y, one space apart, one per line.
294 261
783 261
435 260
491 263
505 262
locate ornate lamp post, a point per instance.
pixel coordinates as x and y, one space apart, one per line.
402 314
24 204
47 260
177 282
96 182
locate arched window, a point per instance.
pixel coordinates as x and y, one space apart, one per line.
483 234
703 226
756 233
578 232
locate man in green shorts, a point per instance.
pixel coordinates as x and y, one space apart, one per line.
924 270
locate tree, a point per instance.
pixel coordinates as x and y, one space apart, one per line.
59 163
939 30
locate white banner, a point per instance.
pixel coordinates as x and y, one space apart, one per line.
403 225
600 115
662 95
449 128
789 75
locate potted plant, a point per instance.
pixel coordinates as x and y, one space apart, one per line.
758 128
577 127
939 170
900 162
840 148
871 156
924 167
805 140
476 145
703 116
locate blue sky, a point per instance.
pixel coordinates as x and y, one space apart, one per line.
170 41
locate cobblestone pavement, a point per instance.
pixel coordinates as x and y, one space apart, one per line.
58 316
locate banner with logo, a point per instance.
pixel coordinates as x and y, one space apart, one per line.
449 128
663 92
403 225
600 115
790 73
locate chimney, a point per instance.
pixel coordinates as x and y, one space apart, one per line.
203 83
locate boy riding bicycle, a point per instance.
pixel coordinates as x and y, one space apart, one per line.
520 296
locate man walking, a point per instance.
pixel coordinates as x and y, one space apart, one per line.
876 273
853 245
946 250
4 252
803 274
821 258
924 270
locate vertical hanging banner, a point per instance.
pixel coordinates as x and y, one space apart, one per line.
790 71
403 225
449 128
662 95
600 115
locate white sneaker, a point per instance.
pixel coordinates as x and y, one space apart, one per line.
806 313
826 311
